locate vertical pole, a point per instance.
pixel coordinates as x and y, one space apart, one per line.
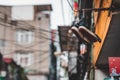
79 57
84 59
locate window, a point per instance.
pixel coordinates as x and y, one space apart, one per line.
24 59
2 43
24 36
14 23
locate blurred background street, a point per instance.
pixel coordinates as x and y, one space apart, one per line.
59 40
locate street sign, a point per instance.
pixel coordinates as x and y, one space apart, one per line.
114 66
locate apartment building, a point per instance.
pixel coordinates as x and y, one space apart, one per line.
25 37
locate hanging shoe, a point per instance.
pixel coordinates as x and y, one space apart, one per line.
92 37
79 35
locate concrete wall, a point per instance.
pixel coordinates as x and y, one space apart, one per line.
39 47
99 75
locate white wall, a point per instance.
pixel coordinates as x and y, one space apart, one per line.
62 14
23 13
37 77
58 16
68 13
99 75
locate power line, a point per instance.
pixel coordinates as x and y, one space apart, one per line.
28 29
32 30
39 61
40 30
23 24
27 22
35 36
72 7
25 49
90 9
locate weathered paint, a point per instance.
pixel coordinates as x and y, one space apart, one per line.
102 21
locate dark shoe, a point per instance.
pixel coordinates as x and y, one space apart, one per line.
92 37
79 35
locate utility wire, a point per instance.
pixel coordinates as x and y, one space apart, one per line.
37 36
30 26
21 45
89 9
25 29
26 48
39 61
25 22
72 7
40 28
32 46
39 32
22 49
46 31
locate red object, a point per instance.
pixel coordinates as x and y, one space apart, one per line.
114 63
83 48
75 5
7 60
53 34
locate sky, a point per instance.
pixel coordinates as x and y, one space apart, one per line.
56 14
24 2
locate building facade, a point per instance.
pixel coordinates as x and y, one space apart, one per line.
107 27
25 37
